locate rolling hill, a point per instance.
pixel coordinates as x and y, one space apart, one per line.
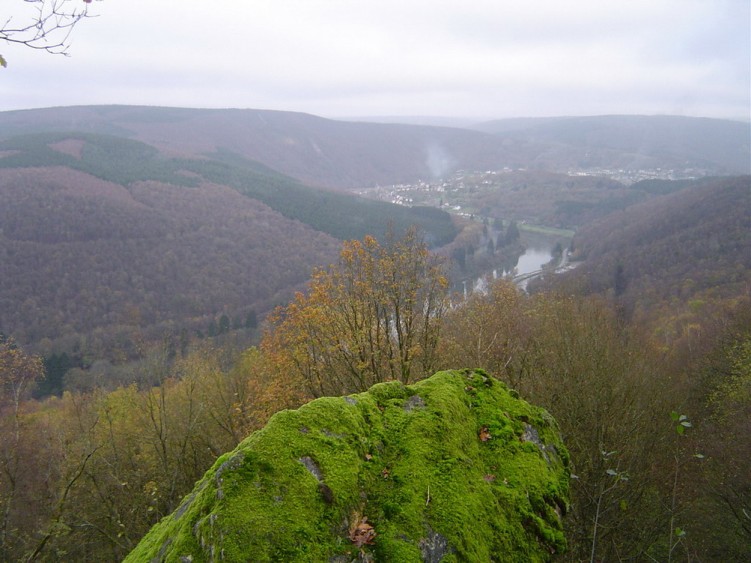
690 246
349 155
104 238
86 259
124 161
631 141
312 149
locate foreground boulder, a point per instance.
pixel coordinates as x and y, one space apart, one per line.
453 468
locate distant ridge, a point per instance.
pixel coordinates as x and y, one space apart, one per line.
312 149
429 120
349 155
648 141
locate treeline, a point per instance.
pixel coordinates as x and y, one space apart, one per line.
484 247
659 470
584 211
114 159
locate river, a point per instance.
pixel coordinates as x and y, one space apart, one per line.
539 251
533 259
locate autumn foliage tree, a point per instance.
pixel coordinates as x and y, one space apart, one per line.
491 331
372 317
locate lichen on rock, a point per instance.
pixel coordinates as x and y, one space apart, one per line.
452 468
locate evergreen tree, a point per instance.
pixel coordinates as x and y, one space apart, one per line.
55 368
251 320
223 324
512 233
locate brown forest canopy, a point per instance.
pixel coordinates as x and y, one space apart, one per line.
687 245
101 236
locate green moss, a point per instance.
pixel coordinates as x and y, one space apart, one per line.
453 466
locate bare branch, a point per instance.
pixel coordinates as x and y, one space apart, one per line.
46 26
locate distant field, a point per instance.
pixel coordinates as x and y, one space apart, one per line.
543 230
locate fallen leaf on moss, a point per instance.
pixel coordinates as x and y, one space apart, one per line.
362 533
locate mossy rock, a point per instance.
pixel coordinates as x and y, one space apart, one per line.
453 468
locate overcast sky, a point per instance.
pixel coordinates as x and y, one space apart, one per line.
343 58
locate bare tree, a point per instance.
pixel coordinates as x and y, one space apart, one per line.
44 25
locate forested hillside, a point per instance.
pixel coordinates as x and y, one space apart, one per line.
103 237
83 257
691 246
124 161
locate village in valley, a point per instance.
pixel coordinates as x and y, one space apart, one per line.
457 192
